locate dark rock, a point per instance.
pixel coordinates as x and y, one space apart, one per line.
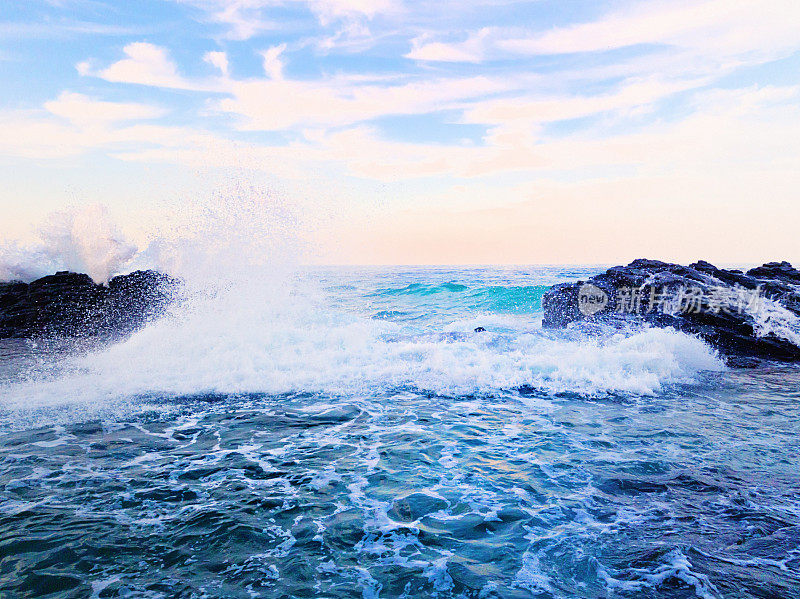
780 271
69 304
721 306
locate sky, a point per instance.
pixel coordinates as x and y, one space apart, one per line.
404 132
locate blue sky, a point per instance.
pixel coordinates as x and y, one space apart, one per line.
479 131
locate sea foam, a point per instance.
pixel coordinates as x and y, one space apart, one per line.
285 339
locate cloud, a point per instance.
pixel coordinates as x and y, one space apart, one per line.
679 35
65 28
735 146
146 64
85 111
151 65
277 104
351 36
473 49
720 26
218 60
242 17
754 128
730 134
649 114
75 124
631 95
755 125
247 18
273 65
328 10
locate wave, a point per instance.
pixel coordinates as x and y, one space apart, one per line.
251 322
284 340
422 289
510 299
492 298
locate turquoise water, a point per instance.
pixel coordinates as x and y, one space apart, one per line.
345 433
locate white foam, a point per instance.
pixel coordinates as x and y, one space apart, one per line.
277 337
772 318
676 566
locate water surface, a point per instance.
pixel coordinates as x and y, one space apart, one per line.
350 435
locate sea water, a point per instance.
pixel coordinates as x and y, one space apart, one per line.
344 432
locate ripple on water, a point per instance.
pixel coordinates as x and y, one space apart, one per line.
405 495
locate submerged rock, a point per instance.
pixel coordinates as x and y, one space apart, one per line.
71 304
746 316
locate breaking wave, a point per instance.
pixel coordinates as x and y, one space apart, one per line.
253 321
286 431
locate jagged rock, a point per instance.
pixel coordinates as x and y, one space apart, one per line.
745 316
780 271
71 304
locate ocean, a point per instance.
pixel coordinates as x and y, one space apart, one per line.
345 432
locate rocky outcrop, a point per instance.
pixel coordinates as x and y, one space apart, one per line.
71 304
747 316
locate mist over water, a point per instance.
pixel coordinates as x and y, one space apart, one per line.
287 430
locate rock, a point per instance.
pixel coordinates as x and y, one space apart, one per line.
746 316
72 305
781 271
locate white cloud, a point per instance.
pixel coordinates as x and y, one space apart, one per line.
694 148
280 104
473 49
147 64
351 36
74 124
756 129
218 60
723 27
737 146
247 18
151 65
276 103
707 35
85 111
327 10
631 95
273 65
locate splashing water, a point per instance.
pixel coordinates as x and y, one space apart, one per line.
81 240
289 431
